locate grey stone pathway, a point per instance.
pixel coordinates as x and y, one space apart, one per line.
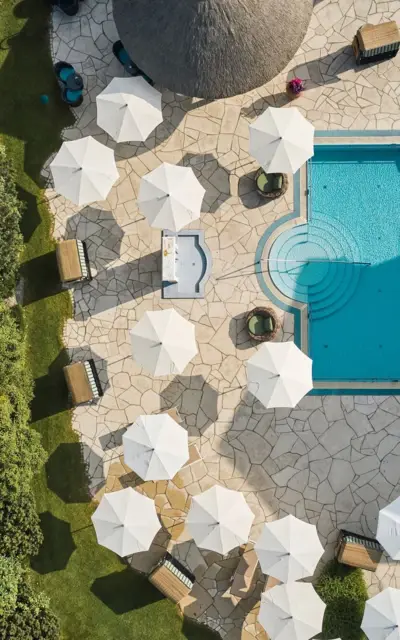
334 461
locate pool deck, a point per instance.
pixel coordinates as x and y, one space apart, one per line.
333 460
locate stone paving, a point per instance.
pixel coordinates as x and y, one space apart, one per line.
334 461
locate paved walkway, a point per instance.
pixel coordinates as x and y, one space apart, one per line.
334 461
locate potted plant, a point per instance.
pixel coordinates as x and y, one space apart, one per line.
295 87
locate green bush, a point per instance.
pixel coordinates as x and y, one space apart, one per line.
11 242
24 615
21 453
344 592
10 572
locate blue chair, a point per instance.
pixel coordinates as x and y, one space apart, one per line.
70 82
130 67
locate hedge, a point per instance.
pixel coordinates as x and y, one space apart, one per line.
24 615
344 592
21 453
11 241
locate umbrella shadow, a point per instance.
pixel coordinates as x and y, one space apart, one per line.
41 278
30 213
101 224
111 287
112 440
50 391
57 547
195 399
212 176
66 473
124 591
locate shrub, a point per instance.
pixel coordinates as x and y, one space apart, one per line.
21 453
30 616
344 592
11 242
10 572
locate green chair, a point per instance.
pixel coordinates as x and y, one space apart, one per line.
271 185
262 324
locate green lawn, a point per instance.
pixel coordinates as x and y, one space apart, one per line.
93 593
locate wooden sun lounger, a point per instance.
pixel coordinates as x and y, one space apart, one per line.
358 551
374 42
172 579
82 381
72 261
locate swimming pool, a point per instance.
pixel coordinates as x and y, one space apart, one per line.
344 262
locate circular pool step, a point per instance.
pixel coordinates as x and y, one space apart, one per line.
314 263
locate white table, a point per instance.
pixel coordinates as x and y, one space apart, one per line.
169 260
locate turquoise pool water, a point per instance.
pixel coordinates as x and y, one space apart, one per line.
345 263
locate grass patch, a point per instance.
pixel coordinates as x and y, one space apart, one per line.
92 592
344 592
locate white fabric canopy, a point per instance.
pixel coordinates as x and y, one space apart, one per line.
388 533
126 522
281 140
289 549
381 619
291 611
219 519
155 447
170 197
279 374
84 170
163 342
129 109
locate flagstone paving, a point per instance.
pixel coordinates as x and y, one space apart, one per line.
334 461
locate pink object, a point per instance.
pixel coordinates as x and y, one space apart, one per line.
296 85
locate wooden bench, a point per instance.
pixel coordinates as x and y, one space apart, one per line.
72 261
358 551
374 42
172 579
243 577
82 381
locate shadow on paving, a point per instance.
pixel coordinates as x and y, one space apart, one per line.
194 397
318 72
212 176
66 474
99 224
57 547
124 591
140 277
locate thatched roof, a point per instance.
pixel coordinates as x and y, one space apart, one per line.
212 48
